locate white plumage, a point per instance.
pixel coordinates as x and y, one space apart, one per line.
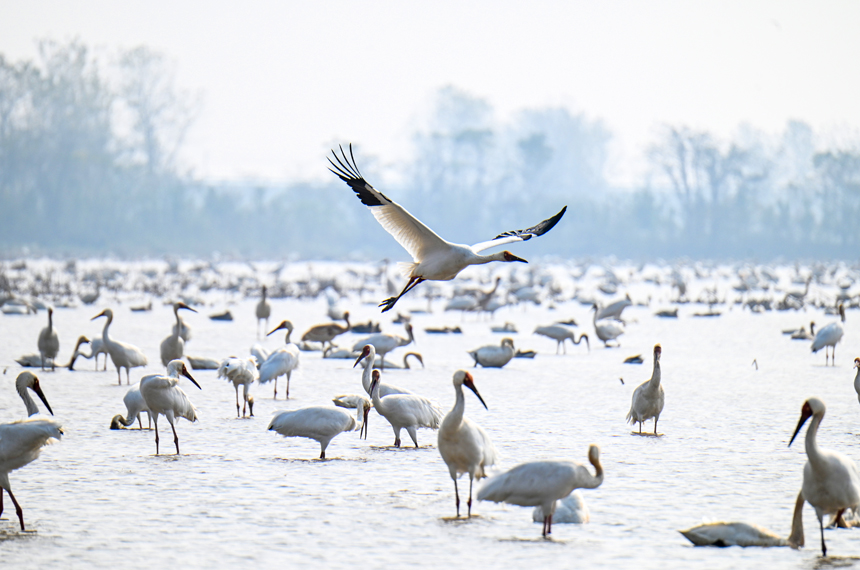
164 397
385 343
282 361
831 481
434 258
648 398
542 483
241 372
464 445
613 310
569 510
607 330
368 354
732 534
134 405
320 423
493 356
22 441
560 333
123 354
405 411
828 337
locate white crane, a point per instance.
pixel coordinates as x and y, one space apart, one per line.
831 481
464 445
49 342
404 411
560 333
569 510
326 333
263 312
282 361
368 354
648 397
241 372
385 343
433 258
164 397
829 336
134 405
542 483
320 423
494 356
123 354
607 330
22 441
173 347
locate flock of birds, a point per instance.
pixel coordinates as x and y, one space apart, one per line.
831 481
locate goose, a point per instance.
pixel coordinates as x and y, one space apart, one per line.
123 355
173 347
493 356
433 258
648 397
829 336
542 483
49 342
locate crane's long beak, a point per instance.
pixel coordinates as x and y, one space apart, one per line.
804 415
281 326
188 375
38 390
361 357
184 306
471 386
364 425
97 316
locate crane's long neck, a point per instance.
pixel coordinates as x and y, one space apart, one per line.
482 259
125 421
404 341
28 401
368 370
813 453
287 338
655 375
105 337
593 481
50 322
455 416
375 397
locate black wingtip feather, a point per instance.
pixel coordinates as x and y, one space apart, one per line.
347 171
536 230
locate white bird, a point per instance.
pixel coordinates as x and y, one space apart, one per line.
569 510
857 378
542 483
22 441
320 423
182 328
202 363
263 312
97 346
241 372
613 310
405 411
326 333
368 354
260 353
134 405
434 258
648 398
350 401
829 336
493 356
173 347
282 361
123 354
831 481
607 330
561 333
724 534
35 360
385 343
377 362
164 397
464 445
49 342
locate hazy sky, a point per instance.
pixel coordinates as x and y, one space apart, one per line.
283 81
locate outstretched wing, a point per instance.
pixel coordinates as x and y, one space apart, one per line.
411 233
520 235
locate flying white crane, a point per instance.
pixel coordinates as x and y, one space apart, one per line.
385 343
173 347
831 481
560 333
648 397
829 336
368 354
263 312
494 356
542 483
404 411
123 354
241 372
22 441
282 361
464 445
164 397
49 342
607 330
320 423
434 258
134 405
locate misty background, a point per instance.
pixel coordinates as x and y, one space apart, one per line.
89 164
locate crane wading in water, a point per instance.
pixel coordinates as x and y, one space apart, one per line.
433 258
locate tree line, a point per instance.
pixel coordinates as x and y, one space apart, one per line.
88 165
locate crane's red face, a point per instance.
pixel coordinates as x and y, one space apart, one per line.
511 257
857 363
364 354
658 350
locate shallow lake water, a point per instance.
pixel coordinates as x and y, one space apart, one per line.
242 494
